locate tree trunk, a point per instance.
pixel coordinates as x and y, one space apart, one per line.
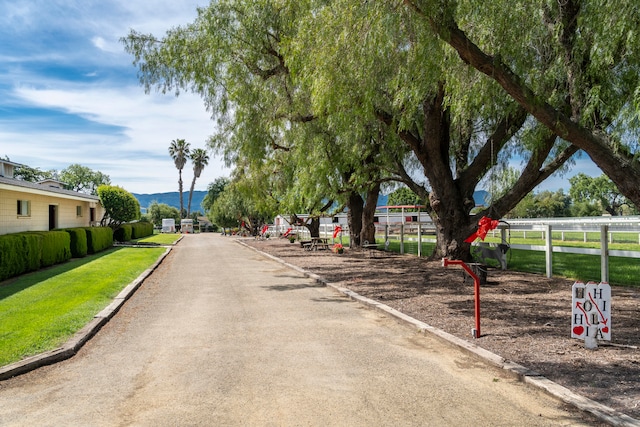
354 218
180 191
618 165
313 225
368 233
193 184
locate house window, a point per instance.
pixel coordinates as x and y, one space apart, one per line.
78 211
24 208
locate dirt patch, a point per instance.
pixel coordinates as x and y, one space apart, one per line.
525 318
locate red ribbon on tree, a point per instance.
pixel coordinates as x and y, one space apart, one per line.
484 226
264 229
286 233
336 231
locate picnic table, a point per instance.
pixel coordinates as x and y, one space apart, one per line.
371 247
315 243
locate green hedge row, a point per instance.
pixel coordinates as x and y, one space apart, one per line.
141 229
28 251
99 239
132 231
123 234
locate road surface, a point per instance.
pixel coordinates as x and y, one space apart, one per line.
219 335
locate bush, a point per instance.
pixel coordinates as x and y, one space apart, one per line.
55 247
98 239
141 229
19 253
78 242
123 233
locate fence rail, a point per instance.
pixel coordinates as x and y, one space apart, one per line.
598 229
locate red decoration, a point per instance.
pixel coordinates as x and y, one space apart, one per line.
484 226
286 233
336 231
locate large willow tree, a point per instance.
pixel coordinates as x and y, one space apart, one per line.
572 64
459 126
319 101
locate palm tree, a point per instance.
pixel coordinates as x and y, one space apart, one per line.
179 151
200 159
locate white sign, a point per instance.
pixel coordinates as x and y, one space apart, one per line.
591 311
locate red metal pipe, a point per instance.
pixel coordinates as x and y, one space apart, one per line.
476 289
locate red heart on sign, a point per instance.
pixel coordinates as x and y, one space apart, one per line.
605 329
578 330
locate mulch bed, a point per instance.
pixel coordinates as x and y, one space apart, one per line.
525 318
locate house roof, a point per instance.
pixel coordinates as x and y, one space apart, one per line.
13 184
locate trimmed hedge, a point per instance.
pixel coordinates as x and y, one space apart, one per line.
98 239
141 229
19 253
55 247
28 251
78 242
123 233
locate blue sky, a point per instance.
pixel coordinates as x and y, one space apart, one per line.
70 94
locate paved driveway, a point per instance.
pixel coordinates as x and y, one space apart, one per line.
221 336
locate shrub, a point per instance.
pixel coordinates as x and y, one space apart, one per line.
55 247
98 239
123 233
141 229
19 253
78 242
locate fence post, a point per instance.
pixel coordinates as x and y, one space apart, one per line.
401 239
604 254
419 239
549 251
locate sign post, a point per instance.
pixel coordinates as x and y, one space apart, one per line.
591 313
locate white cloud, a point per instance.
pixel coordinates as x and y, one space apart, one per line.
109 125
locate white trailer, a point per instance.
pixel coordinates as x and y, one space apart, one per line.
186 226
168 225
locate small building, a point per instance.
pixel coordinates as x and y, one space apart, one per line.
30 206
186 226
168 225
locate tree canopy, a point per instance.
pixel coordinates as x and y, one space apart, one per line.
319 102
82 179
119 205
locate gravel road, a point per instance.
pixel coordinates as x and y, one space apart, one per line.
221 336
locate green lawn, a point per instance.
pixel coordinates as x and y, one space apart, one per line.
622 271
40 311
160 239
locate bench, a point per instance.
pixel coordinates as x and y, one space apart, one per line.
371 247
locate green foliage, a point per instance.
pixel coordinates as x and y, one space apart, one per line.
30 174
600 191
55 247
98 238
159 211
404 197
40 311
120 206
24 252
179 150
214 190
19 253
141 229
122 233
78 242
82 179
545 204
200 159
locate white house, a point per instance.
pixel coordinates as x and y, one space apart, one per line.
29 206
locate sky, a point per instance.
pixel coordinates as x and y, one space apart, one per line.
69 93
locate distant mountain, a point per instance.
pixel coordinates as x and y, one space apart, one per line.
171 199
